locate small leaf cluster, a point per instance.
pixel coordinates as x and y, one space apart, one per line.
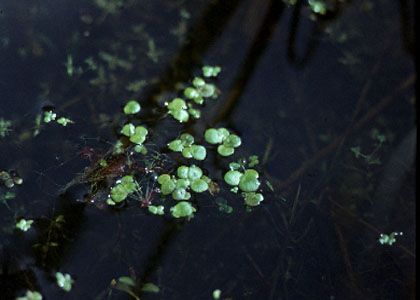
50 116
196 94
183 209
24 224
188 178
227 141
211 71
156 210
9 180
185 145
64 281
5 127
31 295
123 188
136 134
247 181
388 239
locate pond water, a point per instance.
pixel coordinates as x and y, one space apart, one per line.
321 91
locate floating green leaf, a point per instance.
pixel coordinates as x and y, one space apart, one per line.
249 181
199 186
24 225
232 177
183 209
132 107
252 198
64 281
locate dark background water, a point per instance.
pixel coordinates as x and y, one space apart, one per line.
300 92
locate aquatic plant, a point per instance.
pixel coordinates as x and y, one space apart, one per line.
24 224
64 281
5 127
50 116
388 239
31 295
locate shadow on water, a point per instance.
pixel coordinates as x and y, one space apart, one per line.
316 234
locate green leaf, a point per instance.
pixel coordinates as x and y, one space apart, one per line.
127 280
177 104
156 210
64 281
128 129
198 152
183 209
24 225
232 177
180 115
207 90
176 146
194 172
163 178
225 150
252 199
191 93
232 141
182 183
187 139
182 172
210 71
132 107
199 186
198 82
181 194
150 288
213 136
186 152
139 135
167 187
31 295
64 121
249 181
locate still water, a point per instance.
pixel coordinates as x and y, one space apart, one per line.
321 91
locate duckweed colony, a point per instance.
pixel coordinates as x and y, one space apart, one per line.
181 183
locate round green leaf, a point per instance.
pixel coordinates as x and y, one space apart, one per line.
194 172
180 115
187 139
182 172
249 181
224 150
191 93
232 177
177 104
128 129
198 152
176 145
132 107
163 178
183 209
181 194
199 186
186 152
253 199
182 183
167 187
213 136
207 90
198 81
233 141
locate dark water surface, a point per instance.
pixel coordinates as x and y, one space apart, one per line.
301 89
